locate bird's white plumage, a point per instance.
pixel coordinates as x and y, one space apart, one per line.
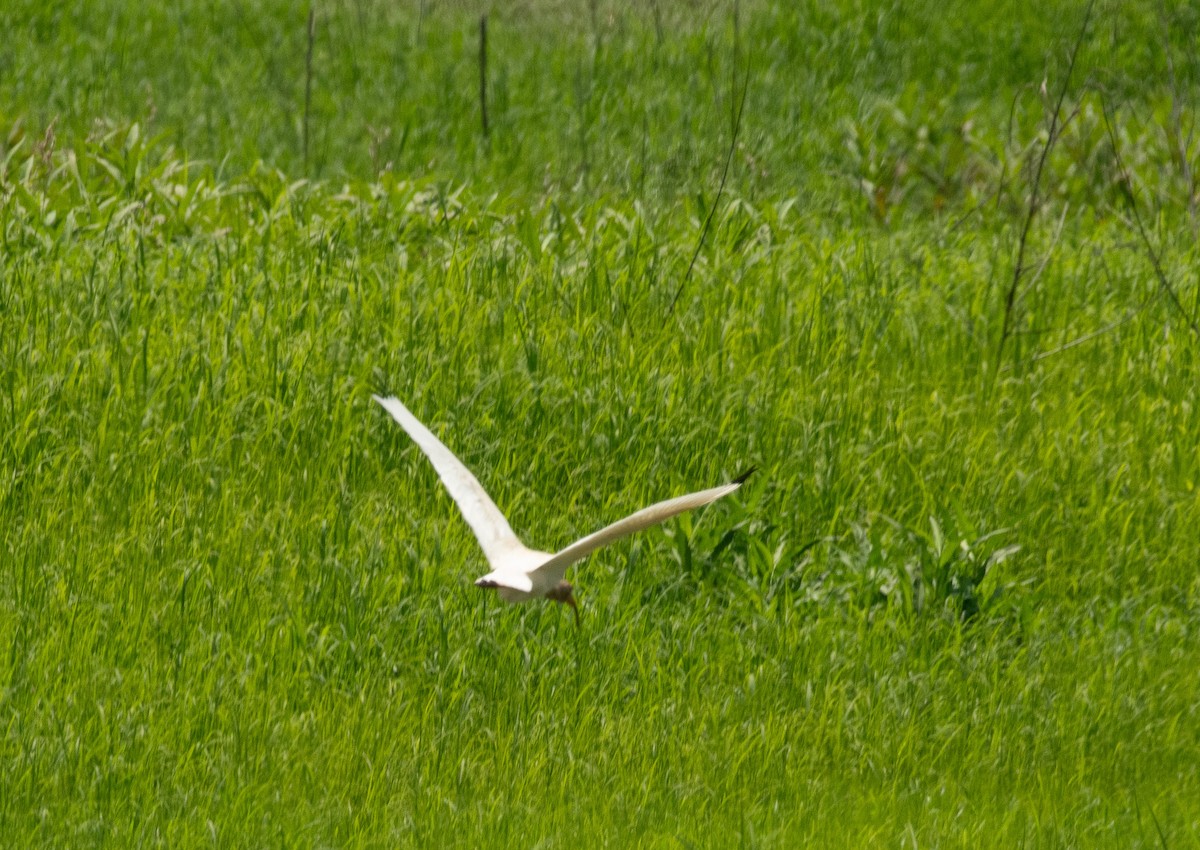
518 572
554 569
499 543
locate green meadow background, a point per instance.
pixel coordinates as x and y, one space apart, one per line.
864 246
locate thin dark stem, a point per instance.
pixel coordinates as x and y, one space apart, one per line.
1182 147
1126 184
1129 316
736 126
658 24
273 72
308 74
1010 298
483 114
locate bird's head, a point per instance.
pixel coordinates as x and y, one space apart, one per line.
564 593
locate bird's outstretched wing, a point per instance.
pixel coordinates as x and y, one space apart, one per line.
553 570
491 528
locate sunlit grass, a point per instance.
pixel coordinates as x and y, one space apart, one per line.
957 606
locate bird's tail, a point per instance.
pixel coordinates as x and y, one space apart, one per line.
741 479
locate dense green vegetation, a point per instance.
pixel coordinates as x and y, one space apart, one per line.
959 605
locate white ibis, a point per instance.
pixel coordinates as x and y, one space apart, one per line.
518 572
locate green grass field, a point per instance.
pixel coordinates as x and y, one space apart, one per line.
959 604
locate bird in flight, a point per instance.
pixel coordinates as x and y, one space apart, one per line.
518 572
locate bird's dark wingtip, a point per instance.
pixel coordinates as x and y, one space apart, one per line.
741 479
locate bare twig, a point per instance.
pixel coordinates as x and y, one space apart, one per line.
1183 147
1126 184
308 58
483 74
273 72
1096 334
1010 297
737 109
1088 337
658 24
1050 250
1005 179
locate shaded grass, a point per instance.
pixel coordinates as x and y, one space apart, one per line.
576 103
